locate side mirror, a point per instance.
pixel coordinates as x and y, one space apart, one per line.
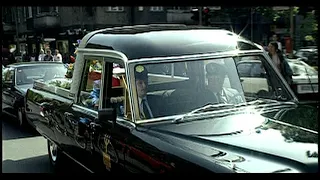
107 115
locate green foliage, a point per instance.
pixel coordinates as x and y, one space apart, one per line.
268 12
309 27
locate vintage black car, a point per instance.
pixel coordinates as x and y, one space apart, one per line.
18 77
179 106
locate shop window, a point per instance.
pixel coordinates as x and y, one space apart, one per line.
177 8
156 8
43 9
115 8
27 12
18 15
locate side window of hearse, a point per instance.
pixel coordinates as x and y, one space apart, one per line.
90 85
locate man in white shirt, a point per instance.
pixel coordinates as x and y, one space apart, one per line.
41 55
216 75
57 57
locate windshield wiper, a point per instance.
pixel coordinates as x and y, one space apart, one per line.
257 101
208 107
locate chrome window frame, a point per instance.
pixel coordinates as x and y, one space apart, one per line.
121 58
172 59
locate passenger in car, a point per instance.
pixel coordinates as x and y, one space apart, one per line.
94 95
216 74
147 104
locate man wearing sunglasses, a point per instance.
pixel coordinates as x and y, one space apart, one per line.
216 75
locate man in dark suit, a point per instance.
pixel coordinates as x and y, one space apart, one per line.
148 105
216 75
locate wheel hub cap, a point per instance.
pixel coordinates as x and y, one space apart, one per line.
53 151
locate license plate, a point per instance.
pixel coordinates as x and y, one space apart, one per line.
303 89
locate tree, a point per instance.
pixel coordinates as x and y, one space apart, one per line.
309 27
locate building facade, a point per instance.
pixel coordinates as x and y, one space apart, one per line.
53 27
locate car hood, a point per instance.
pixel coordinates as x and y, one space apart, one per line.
23 88
248 141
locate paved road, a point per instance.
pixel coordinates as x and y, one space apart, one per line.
25 151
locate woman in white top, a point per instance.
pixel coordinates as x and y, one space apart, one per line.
57 57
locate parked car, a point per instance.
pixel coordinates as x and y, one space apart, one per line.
308 55
18 77
305 80
164 116
252 75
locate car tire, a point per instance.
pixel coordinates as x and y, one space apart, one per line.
56 156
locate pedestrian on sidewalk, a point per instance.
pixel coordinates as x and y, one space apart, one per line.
280 62
276 39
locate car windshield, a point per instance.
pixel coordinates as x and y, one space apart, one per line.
300 68
169 89
27 74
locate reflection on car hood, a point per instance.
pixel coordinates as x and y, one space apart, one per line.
23 88
255 142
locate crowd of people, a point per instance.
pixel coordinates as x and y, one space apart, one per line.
8 57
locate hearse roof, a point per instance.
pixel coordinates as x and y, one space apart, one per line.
147 41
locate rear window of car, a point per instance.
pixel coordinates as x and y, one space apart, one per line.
299 68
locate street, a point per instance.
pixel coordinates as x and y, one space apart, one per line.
25 151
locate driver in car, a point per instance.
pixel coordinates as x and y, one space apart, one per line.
216 74
148 104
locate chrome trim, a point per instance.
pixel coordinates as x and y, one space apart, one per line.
125 122
155 60
116 56
292 125
92 112
102 85
95 113
131 94
187 57
121 58
109 53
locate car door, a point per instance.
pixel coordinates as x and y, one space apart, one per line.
82 140
73 131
